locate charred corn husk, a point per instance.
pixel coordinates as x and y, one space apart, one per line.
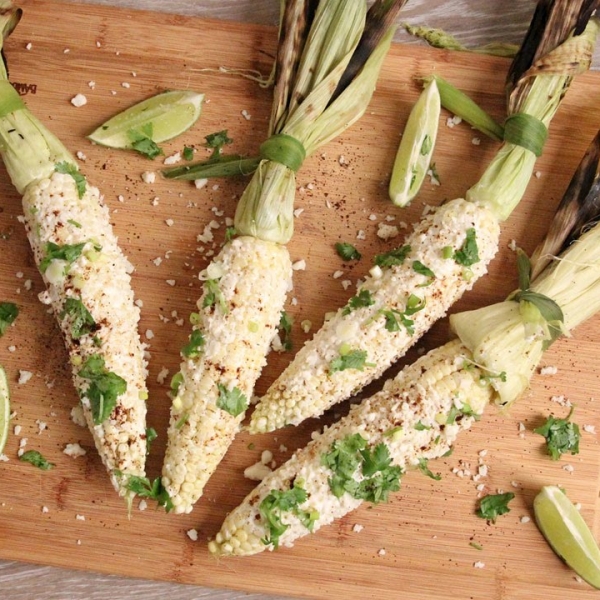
419 414
536 85
88 283
416 417
384 325
245 286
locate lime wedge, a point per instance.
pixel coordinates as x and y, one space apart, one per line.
567 533
416 147
167 115
4 409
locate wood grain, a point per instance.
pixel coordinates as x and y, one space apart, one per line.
426 529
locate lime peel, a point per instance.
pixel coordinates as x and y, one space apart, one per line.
168 113
567 533
416 146
4 409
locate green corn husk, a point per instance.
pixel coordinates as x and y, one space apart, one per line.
509 338
540 77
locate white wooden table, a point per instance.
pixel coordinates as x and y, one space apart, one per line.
474 22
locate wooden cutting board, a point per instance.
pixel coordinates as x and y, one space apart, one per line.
426 530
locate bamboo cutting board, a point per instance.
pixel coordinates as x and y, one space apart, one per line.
426 530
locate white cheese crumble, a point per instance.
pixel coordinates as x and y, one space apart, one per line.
479 564
74 450
171 282
17 430
24 377
357 528
257 472
246 115
524 519
28 46
452 121
162 375
143 505
550 370
299 265
192 534
387 232
169 222
77 416
590 429
45 509
173 159
200 183
79 100
148 176
4 458
381 552
80 517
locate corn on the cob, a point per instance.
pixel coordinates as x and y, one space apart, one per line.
310 385
237 319
417 417
418 414
246 284
88 284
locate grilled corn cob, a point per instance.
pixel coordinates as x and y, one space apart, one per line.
384 325
311 383
239 315
245 287
416 417
87 278
418 414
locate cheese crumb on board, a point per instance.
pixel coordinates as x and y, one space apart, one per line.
78 100
74 450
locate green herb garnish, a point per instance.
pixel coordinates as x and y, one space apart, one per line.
468 254
232 401
188 153
494 505
214 295
193 348
104 387
285 329
72 170
361 300
392 258
9 311
141 141
151 435
353 359
154 490
426 470
34 458
67 252
562 436
347 251
82 322
420 268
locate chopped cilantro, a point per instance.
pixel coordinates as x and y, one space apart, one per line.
188 153
194 346
141 141
361 300
213 295
392 258
230 233
426 470
353 359
231 401
66 252
347 251
285 328
216 141
468 254
9 311
427 145
176 382
104 387
151 435
278 502
34 458
70 169
420 268
419 426
494 505
562 436
82 322
352 454
393 319
144 488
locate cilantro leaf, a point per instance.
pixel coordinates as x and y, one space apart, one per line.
277 502
151 435
141 141
419 426
392 258
494 505
34 458
8 313
67 252
216 141
393 319
82 322
562 436
188 153
285 327
351 455
426 470
194 346
70 169
154 490
361 300
231 401
230 233
420 268
468 254
354 359
104 387
347 251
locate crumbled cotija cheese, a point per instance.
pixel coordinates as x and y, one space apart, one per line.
79 100
74 450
